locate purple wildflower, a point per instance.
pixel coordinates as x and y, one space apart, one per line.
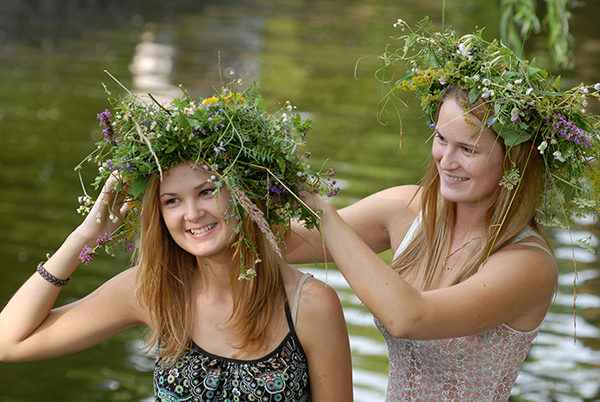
103 239
491 122
307 154
571 132
277 188
220 148
109 131
86 255
333 192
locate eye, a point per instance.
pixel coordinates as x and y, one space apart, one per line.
468 150
439 137
171 201
207 192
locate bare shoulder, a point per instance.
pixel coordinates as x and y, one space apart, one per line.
530 253
316 297
320 315
314 294
529 273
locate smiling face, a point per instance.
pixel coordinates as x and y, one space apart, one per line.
193 215
468 157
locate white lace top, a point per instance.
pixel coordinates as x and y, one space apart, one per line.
481 367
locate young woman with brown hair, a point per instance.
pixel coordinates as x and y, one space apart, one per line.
227 318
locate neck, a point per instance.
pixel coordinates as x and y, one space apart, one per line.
470 219
215 275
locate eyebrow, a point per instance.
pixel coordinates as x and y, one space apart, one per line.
198 187
467 144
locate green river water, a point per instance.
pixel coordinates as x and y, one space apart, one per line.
53 55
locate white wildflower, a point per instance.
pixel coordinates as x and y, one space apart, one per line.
543 147
558 156
529 91
464 51
510 178
399 23
487 93
597 86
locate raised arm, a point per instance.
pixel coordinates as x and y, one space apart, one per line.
515 286
31 330
370 218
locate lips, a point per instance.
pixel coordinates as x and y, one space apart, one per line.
202 229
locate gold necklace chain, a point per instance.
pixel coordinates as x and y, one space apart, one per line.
456 251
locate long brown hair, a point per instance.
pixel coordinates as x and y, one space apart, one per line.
509 212
166 275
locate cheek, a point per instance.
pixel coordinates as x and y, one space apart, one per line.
169 220
436 152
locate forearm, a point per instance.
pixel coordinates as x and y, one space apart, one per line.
380 288
32 303
304 246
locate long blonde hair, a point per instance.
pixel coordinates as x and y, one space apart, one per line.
166 275
509 212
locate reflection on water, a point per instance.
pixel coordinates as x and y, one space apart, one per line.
52 58
152 68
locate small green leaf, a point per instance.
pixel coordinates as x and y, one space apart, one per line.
138 186
511 137
281 163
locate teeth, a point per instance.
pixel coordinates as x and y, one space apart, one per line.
204 229
457 178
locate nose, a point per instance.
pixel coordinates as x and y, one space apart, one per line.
193 212
447 158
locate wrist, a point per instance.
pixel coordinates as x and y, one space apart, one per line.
327 210
81 237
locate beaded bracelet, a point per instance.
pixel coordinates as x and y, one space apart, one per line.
51 278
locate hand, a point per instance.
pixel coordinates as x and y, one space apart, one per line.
315 201
107 214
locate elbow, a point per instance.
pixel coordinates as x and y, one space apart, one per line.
5 355
9 353
403 327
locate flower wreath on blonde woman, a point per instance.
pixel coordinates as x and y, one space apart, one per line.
525 103
255 153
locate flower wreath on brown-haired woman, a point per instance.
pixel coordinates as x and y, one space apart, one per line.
204 191
473 275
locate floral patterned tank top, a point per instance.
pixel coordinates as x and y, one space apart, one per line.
476 368
200 376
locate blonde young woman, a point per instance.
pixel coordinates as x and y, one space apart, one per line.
229 318
473 275
458 324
